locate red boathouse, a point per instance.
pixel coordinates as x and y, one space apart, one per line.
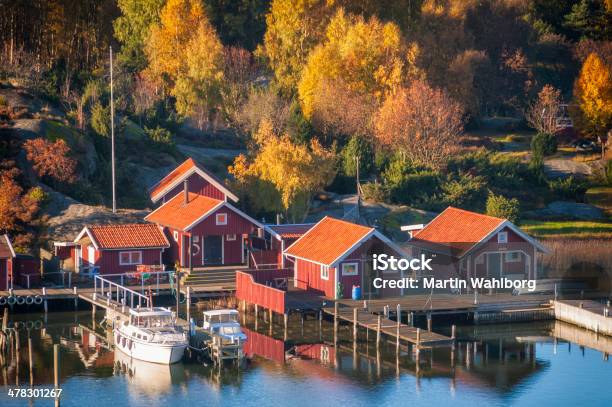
7 255
335 255
110 249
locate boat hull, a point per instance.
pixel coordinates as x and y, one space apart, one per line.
150 352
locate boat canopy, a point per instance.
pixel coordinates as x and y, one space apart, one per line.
221 312
150 312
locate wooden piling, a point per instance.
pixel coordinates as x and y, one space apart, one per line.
429 322
418 339
378 326
453 332
355 325
30 359
285 324
189 305
5 318
398 313
56 372
335 323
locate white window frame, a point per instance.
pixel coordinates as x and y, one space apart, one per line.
353 263
230 238
324 272
175 235
512 260
502 237
218 222
131 262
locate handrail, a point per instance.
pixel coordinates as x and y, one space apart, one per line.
120 289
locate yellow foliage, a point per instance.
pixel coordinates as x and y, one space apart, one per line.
284 175
365 55
593 91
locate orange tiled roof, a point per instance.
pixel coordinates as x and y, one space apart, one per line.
179 215
174 175
328 240
128 236
458 229
291 231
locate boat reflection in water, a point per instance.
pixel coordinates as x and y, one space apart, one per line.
148 378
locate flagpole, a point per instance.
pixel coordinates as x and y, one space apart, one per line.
112 109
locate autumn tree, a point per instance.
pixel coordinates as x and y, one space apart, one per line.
365 55
542 113
186 56
51 159
133 26
240 71
593 93
18 208
282 175
422 122
293 29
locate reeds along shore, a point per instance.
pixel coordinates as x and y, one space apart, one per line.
579 258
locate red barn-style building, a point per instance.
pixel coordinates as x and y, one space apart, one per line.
195 179
216 231
335 255
469 244
7 256
110 249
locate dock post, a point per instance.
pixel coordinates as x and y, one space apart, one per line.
30 360
411 315
397 333
285 323
378 325
418 340
76 296
188 303
320 324
44 293
56 372
429 322
271 316
335 323
355 325
453 333
5 319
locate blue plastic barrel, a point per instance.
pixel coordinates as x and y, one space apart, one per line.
356 293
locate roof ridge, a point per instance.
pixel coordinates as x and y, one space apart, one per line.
346 221
472 213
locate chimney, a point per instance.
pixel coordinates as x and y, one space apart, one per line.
186 191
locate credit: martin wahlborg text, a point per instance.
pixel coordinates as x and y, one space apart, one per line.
386 263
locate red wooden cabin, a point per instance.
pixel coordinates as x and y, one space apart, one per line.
110 249
334 255
469 244
204 231
7 256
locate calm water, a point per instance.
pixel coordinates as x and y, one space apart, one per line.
520 364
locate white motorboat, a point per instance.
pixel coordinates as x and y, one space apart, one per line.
151 335
224 322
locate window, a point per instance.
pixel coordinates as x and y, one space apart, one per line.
230 238
350 269
325 272
196 239
480 259
513 257
502 237
175 236
130 258
221 218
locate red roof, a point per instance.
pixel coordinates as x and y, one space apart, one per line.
126 236
179 173
328 240
458 229
180 215
290 231
6 249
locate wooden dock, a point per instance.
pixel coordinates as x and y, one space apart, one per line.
383 325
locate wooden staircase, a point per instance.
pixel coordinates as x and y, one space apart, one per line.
207 277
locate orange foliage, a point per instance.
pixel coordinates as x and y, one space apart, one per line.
51 159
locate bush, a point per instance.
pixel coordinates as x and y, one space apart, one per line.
159 135
465 191
375 191
100 120
357 146
607 173
568 188
38 195
502 207
543 144
3 101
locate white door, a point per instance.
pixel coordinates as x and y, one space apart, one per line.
91 257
